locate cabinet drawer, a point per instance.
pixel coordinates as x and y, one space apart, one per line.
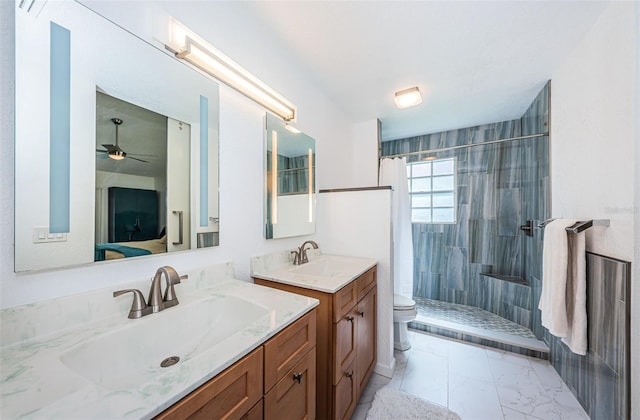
366 281
344 351
344 300
256 413
229 395
284 351
344 394
294 396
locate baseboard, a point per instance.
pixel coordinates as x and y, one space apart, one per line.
386 370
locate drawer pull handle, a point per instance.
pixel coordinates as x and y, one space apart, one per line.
349 318
297 377
361 313
349 375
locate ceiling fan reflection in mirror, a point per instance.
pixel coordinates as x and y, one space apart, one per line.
114 151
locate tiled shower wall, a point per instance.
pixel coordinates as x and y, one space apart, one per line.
499 187
600 380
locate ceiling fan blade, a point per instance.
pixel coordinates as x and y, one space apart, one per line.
111 148
139 160
102 151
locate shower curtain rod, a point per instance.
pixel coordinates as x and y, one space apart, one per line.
531 136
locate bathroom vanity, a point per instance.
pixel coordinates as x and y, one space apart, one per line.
243 348
277 377
346 323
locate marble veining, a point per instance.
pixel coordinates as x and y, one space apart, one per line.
37 384
324 273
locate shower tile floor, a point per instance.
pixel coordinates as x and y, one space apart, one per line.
475 322
478 383
469 315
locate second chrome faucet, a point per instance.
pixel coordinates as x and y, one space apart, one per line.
300 256
156 301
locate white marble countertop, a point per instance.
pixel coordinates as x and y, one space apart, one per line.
324 273
37 384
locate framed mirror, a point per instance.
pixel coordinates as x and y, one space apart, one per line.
290 192
86 91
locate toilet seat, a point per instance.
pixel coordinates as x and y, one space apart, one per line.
403 303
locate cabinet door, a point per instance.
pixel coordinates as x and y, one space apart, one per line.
344 332
294 397
344 394
284 351
366 338
231 394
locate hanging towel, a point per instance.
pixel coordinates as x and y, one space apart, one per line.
576 338
563 297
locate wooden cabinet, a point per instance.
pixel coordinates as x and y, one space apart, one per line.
275 381
230 394
346 337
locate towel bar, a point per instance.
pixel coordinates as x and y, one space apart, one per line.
579 226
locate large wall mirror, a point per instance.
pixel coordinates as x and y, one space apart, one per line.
290 199
116 144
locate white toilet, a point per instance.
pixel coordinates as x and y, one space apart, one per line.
404 311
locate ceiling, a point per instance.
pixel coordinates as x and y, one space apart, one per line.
474 62
142 135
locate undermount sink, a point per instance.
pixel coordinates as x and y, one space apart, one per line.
130 356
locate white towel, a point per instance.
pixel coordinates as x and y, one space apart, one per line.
563 299
576 338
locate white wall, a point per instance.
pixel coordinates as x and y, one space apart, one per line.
358 223
594 129
241 160
365 153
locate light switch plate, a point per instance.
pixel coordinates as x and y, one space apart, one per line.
42 235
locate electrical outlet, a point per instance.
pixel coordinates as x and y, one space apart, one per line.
42 235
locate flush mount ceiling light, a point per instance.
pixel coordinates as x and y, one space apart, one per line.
188 46
408 98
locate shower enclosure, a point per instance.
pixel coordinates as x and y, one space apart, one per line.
478 264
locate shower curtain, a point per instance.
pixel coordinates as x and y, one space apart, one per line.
393 172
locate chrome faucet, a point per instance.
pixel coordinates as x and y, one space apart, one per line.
156 302
300 256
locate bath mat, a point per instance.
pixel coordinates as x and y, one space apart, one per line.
391 404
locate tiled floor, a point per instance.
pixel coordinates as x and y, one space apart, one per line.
469 315
478 383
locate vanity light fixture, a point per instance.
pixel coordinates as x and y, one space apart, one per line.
188 46
408 98
310 185
274 177
291 128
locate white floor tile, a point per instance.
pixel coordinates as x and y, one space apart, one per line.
474 399
478 383
469 362
426 376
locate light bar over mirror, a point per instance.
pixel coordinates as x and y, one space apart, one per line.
188 46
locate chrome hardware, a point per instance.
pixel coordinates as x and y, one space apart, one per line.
300 256
297 377
156 302
180 227
527 228
139 307
580 226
